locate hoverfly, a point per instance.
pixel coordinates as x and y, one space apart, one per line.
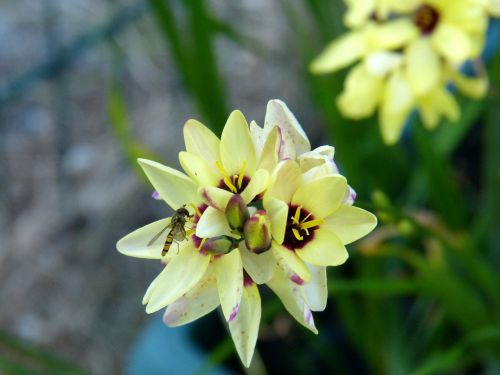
177 231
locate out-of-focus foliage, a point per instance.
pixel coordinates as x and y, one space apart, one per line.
21 358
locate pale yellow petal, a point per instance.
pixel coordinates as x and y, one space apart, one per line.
494 8
340 53
449 105
135 244
406 6
322 196
316 290
229 273
201 141
474 87
381 63
180 275
292 296
477 45
285 181
396 106
469 16
213 223
350 223
318 163
197 302
278 213
392 35
423 68
258 183
452 43
362 93
236 146
260 267
321 157
269 156
358 12
290 262
294 140
198 169
437 104
174 187
258 136
244 328
325 249
215 197
149 291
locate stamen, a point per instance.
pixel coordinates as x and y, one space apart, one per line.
203 240
242 174
195 208
310 224
296 217
307 217
297 235
226 178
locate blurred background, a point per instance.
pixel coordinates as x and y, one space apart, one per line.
86 87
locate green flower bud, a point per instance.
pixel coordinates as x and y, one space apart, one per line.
236 212
257 232
219 245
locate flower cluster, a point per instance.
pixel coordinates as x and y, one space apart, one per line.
407 53
256 206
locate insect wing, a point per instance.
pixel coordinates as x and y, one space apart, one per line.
152 241
179 232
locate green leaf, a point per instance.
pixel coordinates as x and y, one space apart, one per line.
119 120
441 362
194 55
374 287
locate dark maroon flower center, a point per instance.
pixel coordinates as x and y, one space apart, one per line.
426 18
247 280
235 186
300 227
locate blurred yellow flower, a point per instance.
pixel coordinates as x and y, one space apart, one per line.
408 53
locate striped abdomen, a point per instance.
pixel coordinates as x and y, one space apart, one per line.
168 242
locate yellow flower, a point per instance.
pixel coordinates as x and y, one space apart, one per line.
229 163
226 244
310 221
282 138
409 52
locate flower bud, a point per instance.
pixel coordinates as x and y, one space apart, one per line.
236 212
219 245
257 232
